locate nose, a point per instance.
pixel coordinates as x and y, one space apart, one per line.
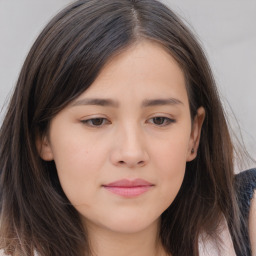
129 149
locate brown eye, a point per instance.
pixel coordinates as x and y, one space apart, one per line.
95 122
161 121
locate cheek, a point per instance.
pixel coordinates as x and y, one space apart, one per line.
171 152
78 166
170 161
171 177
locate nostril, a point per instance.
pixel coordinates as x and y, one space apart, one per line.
140 163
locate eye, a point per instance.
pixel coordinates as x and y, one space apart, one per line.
96 122
161 121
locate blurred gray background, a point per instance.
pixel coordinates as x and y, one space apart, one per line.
226 29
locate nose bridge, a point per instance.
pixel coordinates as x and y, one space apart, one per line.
133 138
129 147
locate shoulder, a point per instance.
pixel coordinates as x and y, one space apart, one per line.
245 183
252 224
209 246
2 253
246 179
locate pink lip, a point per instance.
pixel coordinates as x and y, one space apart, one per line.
129 188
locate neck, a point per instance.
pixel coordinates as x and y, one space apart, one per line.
105 242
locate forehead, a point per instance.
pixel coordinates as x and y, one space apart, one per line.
144 68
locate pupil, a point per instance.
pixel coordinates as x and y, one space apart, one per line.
159 120
97 121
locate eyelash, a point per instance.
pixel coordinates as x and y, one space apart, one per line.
89 122
100 121
165 121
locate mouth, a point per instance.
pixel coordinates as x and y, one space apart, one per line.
129 188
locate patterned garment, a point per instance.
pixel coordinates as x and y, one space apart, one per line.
245 187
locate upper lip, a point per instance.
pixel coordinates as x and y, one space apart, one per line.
129 183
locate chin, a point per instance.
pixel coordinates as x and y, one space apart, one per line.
132 225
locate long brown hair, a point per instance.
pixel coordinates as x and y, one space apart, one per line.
63 62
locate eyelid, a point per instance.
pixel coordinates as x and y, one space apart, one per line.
167 120
88 121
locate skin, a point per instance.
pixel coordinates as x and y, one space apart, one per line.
133 137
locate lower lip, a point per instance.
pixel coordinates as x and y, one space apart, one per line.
128 191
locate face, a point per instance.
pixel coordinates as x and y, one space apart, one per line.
121 147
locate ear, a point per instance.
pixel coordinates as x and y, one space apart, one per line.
44 148
195 134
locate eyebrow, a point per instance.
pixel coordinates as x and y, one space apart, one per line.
98 102
160 102
113 103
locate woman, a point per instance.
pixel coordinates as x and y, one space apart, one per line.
115 141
